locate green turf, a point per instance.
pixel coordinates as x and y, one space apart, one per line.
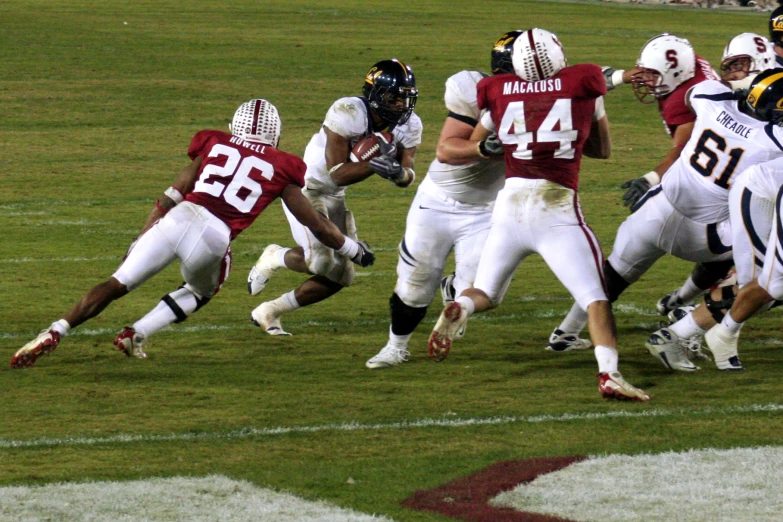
99 101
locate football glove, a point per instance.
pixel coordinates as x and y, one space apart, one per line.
365 256
636 188
491 146
387 149
387 168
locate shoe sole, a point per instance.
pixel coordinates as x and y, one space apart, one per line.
28 358
440 342
271 330
610 394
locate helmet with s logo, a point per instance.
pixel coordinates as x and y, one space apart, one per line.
665 62
747 53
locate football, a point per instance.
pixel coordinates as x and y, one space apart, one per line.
369 147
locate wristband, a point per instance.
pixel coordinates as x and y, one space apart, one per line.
349 249
482 150
617 77
652 177
174 195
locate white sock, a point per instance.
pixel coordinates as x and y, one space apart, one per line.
574 321
686 327
61 327
689 291
281 257
731 326
400 341
286 303
607 358
162 315
468 303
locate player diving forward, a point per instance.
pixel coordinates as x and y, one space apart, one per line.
452 210
546 116
229 182
389 97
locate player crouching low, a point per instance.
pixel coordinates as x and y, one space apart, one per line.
231 179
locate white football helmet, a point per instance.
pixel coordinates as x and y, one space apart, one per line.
747 53
257 121
537 54
666 61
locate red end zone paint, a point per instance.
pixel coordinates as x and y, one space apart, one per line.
466 498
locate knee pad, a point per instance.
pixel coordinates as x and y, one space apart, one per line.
615 284
719 308
705 275
183 302
404 318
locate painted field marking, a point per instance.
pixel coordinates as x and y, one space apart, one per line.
252 432
214 497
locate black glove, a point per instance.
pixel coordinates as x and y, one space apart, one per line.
365 256
388 149
637 188
387 168
608 72
491 146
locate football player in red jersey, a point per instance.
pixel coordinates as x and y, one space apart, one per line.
546 116
229 182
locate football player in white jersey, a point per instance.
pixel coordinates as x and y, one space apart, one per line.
452 210
389 97
754 199
687 214
744 57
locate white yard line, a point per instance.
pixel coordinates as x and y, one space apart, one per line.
253 432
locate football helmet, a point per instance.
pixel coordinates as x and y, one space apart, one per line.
257 121
765 96
501 53
776 26
666 61
390 88
747 53
537 54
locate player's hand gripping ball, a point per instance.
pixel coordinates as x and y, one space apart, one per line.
374 145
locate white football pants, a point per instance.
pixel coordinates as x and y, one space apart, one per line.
436 224
191 233
540 216
657 228
320 259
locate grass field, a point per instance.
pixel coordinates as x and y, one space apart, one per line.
99 101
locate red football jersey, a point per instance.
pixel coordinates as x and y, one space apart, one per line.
672 107
238 179
543 125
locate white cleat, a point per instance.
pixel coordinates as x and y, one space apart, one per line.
668 348
559 341
692 345
389 356
44 344
447 290
723 346
612 386
668 303
263 269
453 319
130 343
265 316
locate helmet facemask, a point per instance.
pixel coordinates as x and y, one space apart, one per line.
390 89
648 86
735 68
257 121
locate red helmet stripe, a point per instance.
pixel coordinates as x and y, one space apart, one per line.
256 110
532 42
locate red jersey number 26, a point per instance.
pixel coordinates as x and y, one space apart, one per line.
237 173
513 130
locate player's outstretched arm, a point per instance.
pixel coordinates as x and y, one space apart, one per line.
174 194
324 230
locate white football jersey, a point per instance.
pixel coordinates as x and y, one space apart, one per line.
475 183
724 142
349 118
